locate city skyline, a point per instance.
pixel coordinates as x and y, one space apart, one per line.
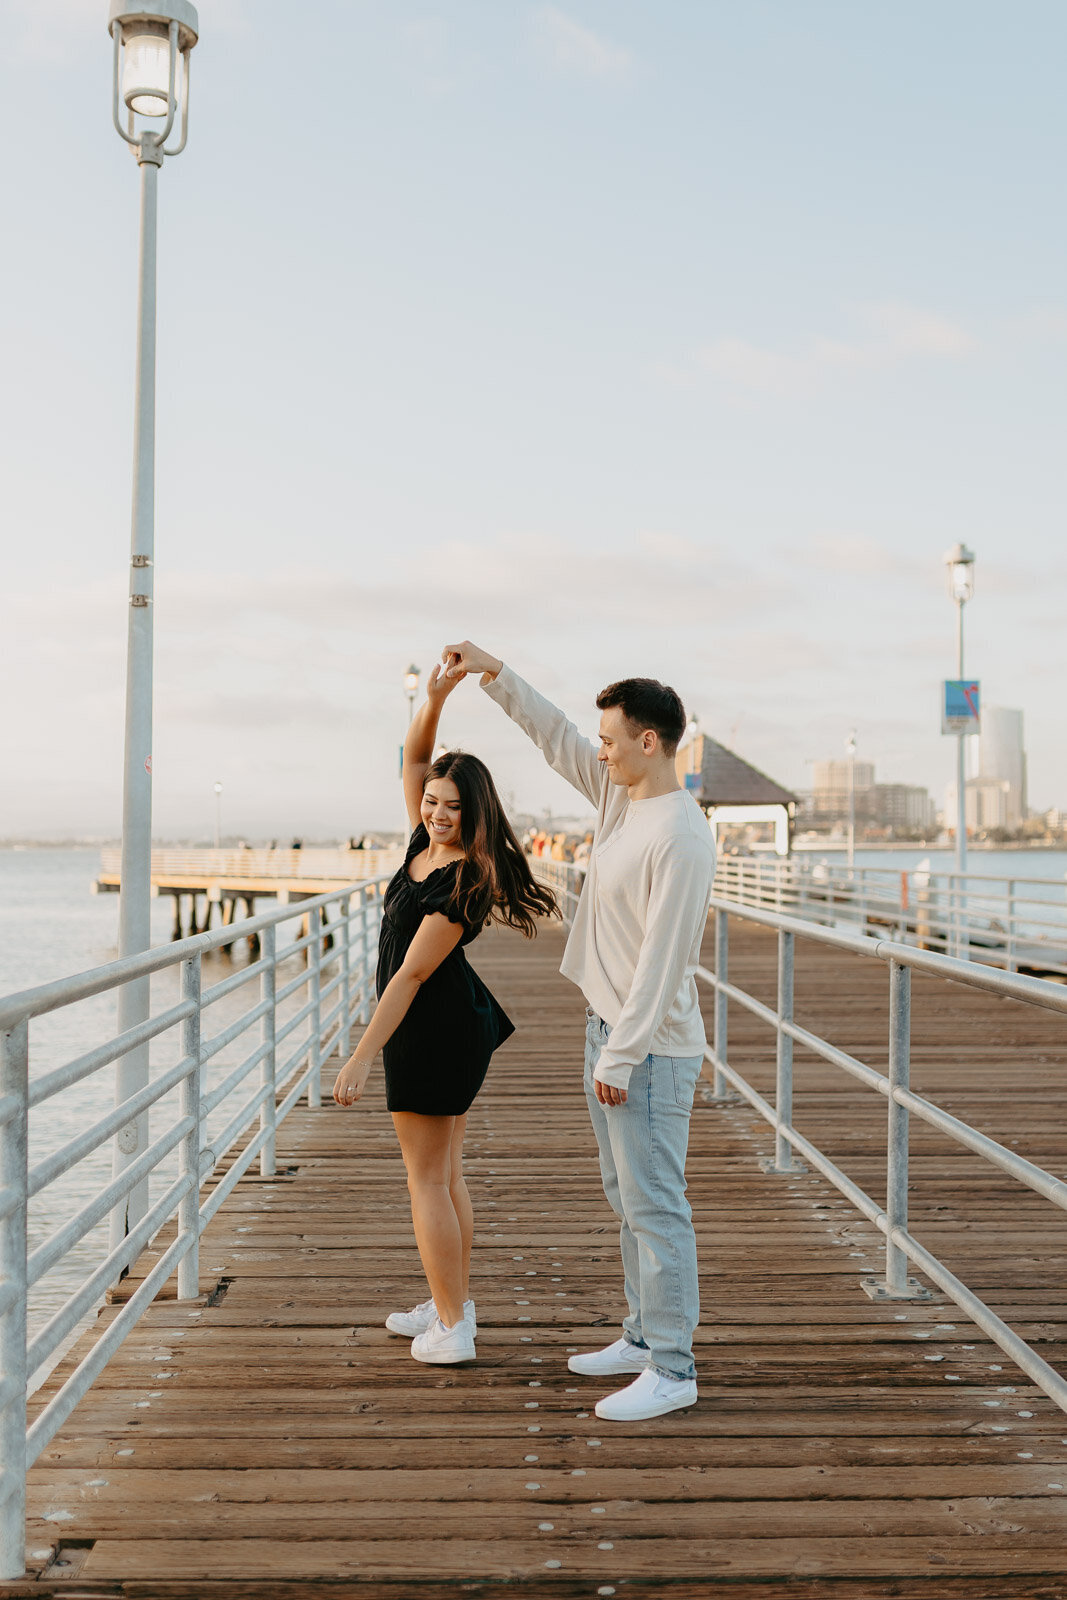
680 343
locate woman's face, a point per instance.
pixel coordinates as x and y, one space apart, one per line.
441 811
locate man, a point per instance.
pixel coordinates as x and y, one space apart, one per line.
633 951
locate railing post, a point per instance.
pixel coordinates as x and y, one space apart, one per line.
344 1044
963 942
1012 963
189 1150
720 1089
896 1285
268 1028
14 1141
366 896
314 950
784 1160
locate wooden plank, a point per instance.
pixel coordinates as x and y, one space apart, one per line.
467 1558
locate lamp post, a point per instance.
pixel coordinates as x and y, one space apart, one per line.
850 751
411 689
218 816
960 563
152 43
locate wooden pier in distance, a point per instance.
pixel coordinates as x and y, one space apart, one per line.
232 879
274 1441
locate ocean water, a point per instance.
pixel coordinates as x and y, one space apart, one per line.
1049 867
52 926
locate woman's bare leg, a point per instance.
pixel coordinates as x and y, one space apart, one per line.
426 1145
461 1200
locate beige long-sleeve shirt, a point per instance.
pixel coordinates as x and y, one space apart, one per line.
635 943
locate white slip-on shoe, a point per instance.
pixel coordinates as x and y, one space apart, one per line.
650 1395
443 1346
622 1356
422 1317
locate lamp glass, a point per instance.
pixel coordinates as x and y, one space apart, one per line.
411 682
146 71
961 579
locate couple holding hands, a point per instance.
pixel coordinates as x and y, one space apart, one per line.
633 951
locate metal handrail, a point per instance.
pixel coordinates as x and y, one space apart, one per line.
339 957
1007 922
901 1246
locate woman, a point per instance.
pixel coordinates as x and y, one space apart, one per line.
436 1022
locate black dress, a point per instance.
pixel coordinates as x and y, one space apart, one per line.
437 1059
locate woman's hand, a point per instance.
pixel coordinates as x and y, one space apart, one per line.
351 1080
439 685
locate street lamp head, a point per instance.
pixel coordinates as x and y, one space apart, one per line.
218 788
960 564
150 41
411 681
850 743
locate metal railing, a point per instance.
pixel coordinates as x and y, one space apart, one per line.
335 962
891 1220
1017 923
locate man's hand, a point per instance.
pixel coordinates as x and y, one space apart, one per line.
608 1095
467 657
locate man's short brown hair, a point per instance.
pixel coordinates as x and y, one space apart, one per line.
647 703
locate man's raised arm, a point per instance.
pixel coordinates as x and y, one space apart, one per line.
559 741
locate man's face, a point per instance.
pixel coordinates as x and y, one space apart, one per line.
624 752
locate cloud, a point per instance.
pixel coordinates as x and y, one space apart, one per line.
890 334
860 555
571 47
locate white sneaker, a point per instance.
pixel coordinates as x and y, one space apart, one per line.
444 1346
622 1356
650 1395
422 1317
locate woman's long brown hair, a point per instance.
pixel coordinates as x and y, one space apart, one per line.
494 884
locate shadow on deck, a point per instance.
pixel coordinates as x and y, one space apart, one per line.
274 1441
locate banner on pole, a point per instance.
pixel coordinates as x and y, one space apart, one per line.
960 706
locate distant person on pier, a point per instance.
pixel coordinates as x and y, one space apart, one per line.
633 951
436 1022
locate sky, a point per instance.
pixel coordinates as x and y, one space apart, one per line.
678 340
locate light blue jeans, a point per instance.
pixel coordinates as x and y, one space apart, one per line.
643 1146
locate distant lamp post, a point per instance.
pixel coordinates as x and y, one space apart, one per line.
960 564
152 43
850 751
411 689
218 816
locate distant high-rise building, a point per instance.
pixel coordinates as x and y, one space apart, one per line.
830 790
989 804
901 806
1002 759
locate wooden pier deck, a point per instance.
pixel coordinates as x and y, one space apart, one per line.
275 1442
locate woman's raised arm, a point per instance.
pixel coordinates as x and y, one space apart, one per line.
421 738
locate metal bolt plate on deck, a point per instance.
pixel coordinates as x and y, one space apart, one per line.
878 1289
